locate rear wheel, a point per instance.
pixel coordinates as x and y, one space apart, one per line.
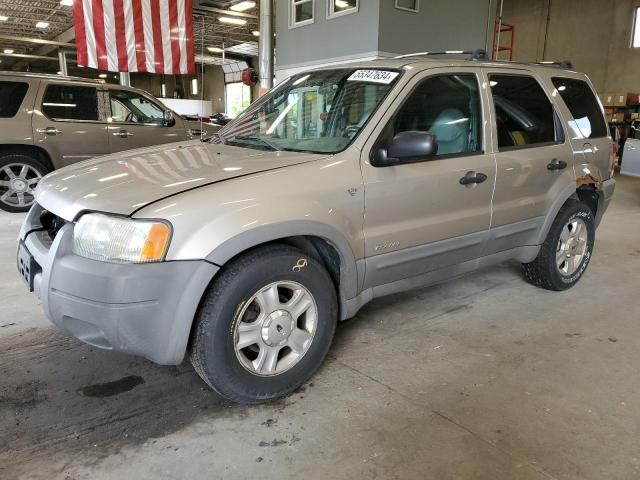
567 250
19 175
265 325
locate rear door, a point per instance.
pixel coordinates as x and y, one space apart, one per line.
138 121
534 158
69 122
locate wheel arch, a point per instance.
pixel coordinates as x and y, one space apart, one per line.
316 239
38 153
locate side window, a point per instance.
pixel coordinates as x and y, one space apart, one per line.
524 114
69 102
448 107
584 107
11 96
129 107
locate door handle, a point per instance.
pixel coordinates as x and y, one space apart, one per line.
556 165
122 134
471 179
49 131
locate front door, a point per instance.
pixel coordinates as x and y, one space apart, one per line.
137 121
428 215
69 122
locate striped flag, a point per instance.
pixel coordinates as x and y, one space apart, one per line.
154 36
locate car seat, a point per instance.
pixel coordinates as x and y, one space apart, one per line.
451 129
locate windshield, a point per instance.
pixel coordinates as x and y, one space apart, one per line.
320 112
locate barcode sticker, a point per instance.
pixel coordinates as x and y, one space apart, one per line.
373 76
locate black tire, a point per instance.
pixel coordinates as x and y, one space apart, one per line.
13 161
543 271
213 352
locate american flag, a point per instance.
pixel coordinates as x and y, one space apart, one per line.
154 36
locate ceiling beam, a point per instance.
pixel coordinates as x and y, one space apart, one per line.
41 41
220 11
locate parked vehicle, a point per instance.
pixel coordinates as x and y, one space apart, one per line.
337 187
48 122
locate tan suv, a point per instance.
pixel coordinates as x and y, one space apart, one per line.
49 121
337 187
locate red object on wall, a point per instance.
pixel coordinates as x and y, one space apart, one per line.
499 30
250 77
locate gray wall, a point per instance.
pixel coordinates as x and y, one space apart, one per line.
342 37
379 29
451 25
594 34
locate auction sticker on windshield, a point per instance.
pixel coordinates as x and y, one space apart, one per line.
374 76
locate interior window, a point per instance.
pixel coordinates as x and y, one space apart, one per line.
301 12
129 107
524 114
448 107
69 102
584 107
11 96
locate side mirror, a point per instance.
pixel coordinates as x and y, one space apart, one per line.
169 119
406 147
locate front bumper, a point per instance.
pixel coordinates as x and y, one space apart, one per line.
144 309
606 194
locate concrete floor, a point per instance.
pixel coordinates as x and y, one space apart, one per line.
485 377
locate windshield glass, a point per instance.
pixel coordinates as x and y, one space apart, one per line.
316 112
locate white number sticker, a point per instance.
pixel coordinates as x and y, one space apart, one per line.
373 76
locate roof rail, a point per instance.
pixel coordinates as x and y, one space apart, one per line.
566 64
478 54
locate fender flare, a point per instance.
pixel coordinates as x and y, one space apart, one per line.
568 192
294 228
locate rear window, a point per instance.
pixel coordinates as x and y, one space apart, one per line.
70 102
583 106
11 97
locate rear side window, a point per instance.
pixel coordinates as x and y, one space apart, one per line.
11 97
69 102
524 114
583 106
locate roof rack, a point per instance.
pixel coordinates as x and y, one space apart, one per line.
482 55
479 54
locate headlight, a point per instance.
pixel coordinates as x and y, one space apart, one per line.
120 240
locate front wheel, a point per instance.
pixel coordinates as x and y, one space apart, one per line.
566 252
265 325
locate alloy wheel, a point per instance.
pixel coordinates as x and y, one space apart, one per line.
572 246
17 184
276 328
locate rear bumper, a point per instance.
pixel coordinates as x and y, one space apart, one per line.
606 194
145 310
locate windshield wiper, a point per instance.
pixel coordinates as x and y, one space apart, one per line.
219 135
263 141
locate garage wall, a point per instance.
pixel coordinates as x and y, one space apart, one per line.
594 34
451 25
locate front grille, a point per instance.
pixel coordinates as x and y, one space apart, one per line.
51 223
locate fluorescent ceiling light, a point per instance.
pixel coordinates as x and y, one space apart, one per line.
341 4
42 25
194 86
233 21
8 50
215 49
242 6
3 18
103 75
256 33
66 3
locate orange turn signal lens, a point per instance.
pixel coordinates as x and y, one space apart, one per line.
156 243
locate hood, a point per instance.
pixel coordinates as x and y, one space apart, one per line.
125 182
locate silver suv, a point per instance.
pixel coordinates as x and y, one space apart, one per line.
49 121
337 187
